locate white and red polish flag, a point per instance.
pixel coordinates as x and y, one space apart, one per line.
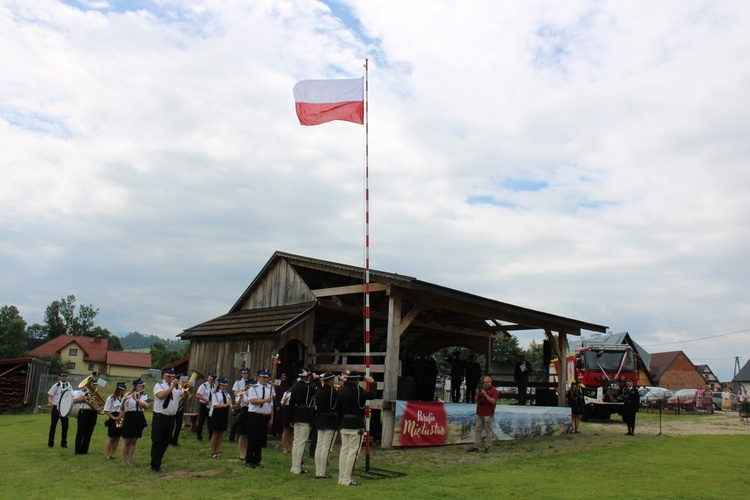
321 101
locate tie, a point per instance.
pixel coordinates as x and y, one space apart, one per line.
264 396
224 397
167 400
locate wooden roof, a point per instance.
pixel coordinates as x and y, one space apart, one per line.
441 316
262 321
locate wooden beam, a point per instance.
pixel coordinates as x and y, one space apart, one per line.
347 290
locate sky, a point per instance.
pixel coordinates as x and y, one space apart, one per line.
588 159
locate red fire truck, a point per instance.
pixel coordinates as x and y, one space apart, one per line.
601 369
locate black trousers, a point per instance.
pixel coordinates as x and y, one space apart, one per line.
257 432
522 389
86 425
177 428
203 417
161 435
628 415
53 428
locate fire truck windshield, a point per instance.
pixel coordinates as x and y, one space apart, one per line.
609 361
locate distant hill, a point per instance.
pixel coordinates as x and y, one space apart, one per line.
134 340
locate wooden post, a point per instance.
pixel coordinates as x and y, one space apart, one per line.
390 379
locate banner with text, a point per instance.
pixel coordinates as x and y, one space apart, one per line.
437 424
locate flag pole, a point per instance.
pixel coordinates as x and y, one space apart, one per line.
367 262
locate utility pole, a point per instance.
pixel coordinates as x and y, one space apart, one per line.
736 366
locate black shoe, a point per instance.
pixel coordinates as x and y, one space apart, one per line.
62 446
174 444
252 466
354 483
156 469
486 450
303 472
472 449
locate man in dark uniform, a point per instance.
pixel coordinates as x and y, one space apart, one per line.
327 423
167 394
351 401
631 400
473 374
260 410
521 376
302 414
457 376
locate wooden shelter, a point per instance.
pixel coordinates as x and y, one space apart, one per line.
297 303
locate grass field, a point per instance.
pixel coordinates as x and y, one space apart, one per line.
709 462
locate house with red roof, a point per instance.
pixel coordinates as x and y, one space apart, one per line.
128 364
83 355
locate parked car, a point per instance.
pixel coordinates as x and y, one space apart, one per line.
654 397
717 400
684 399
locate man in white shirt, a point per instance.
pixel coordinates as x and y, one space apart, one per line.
53 400
167 394
86 423
204 396
259 418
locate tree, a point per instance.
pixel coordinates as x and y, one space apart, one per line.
506 350
12 333
36 331
61 319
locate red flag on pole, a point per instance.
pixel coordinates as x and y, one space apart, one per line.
321 101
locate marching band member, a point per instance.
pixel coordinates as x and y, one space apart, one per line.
219 413
86 423
133 420
326 403
259 418
112 410
352 399
53 400
301 408
167 394
241 397
204 396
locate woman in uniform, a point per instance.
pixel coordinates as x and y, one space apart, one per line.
219 414
112 410
133 420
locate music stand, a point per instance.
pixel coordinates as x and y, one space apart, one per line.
662 401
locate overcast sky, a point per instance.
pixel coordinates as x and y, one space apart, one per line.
589 159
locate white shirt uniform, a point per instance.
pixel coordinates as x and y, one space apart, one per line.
205 391
82 405
113 404
238 388
259 391
171 408
56 391
132 405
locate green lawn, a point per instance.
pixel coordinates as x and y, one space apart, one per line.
599 463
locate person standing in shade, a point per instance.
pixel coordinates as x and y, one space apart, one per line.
631 401
203 395
220 404
351 401
133 420
86 423
473 374
576 404
259 415
457 376
53 400
112 410
167 394
278 393
521 375
301 408
486 401
326 402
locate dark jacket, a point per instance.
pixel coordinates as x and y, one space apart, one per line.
326 399
301 403
351 401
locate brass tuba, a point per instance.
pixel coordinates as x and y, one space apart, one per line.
194 375
92 396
